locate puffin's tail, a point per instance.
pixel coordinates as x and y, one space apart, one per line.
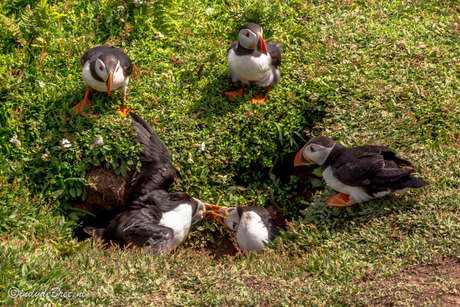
405 184
95 232
416 183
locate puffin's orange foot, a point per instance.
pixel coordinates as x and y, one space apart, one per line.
78 108
124 110
340 200
234 94
263 99
259 100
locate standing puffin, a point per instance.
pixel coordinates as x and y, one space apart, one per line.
361 173
253 225
155 219
251 59
105 69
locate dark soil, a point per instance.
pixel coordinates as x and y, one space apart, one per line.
107 192
222 247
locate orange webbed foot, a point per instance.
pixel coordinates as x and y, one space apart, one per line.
263 99
234 94
124 110
259 100
340 200
78 108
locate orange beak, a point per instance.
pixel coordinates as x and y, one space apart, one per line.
300 160
109 82
261 47
213 211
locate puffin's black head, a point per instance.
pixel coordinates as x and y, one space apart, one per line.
250 37
106 66
315 151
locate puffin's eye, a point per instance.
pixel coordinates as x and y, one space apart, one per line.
234 225
312 150
247 34
100 68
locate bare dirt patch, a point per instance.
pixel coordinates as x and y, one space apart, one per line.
434 283
222 247
107 191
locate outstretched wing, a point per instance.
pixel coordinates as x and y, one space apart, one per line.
157 171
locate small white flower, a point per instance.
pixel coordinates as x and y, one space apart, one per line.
203 146
15 140
165 75
97 141
137 3
109 20
66 143
121 8
224 178
159 36
190 160
41 84
209 11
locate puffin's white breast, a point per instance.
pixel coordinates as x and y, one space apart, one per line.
250 68
357 194
119 80
179 220
252 232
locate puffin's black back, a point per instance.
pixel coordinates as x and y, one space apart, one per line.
375 168
157 171
273 230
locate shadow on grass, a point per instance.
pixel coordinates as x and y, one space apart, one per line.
341 219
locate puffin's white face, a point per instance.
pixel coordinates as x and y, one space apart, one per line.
233 219
316 153
103 71
248 39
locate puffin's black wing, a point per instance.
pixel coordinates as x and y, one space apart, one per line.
156 237
157 171
95 52
233 47
275 50
370 165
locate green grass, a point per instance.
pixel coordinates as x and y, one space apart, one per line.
362 72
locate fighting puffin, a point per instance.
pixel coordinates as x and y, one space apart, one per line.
158 221
251 59
253 225
154 219
361 173
105 69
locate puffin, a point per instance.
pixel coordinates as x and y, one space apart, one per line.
154 219
251 59
158 221
360 173
105 69
253 225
